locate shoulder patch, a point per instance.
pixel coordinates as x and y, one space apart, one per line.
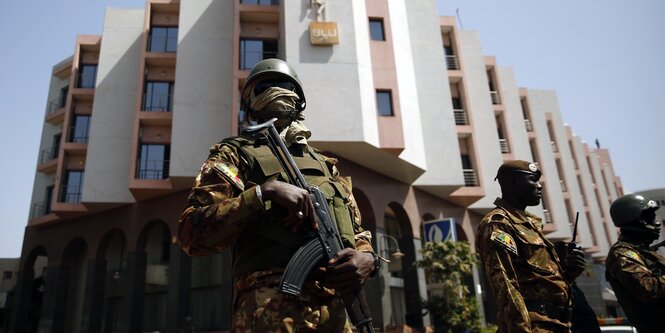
633 255
230 173
505 240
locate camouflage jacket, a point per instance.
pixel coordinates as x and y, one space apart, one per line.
223 206
637 275
524 272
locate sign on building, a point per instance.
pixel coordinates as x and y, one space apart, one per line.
323 33
440 230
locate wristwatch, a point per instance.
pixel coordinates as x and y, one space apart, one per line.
377 264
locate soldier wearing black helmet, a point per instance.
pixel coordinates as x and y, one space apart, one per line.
242 201
636 271
530 284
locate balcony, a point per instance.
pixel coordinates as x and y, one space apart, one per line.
49 154
163 44
157 103
563 186
70 193
39 209
555 149
547 216
496 98
460 117
152 169
505 148
452 63
78 134
87 78
527 124
470 177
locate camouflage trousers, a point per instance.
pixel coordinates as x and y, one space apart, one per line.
263 308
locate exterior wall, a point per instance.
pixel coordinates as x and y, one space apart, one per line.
541 103
112 123
444 169
204 67
481 116
604 198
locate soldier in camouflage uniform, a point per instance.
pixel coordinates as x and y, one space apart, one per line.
530 285
636 271
242 201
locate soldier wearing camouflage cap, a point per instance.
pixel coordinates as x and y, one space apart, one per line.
531 285
636 271
243 201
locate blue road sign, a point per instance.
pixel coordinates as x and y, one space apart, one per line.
440 230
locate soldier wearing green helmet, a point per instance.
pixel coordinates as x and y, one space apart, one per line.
636 271
243 201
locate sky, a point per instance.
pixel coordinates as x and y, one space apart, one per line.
604 59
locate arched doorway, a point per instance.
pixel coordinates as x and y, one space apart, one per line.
24 302
155 240
405 301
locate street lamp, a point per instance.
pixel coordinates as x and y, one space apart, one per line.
397 254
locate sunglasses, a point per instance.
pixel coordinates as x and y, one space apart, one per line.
263 85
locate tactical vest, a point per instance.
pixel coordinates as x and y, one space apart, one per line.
265 243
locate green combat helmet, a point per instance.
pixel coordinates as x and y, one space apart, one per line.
272 69
629 213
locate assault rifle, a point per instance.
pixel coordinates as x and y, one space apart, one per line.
323 242
573 244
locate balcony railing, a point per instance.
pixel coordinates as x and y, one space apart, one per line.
555 149
163 44
496 98
470 177
460 117
78 134
547 215
505 148
86 80
70 193
451 62
39 209
527 124
249 58
56 104
48 154
260 2
157 103
152 169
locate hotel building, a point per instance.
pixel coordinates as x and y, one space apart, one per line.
416 114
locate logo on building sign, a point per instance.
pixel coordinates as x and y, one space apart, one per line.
322 32
440 230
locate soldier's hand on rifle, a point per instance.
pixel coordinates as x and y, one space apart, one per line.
295 200
573 264
349 270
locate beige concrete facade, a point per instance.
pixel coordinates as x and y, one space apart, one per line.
166 83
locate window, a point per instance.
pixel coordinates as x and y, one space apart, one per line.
55 150
255 50
78 132
376 29
158 96
72 187
153 162
163 39
87 76
48 197
6 275
384 102
62 100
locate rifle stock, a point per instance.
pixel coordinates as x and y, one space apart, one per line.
324 242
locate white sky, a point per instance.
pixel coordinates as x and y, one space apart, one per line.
604 58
